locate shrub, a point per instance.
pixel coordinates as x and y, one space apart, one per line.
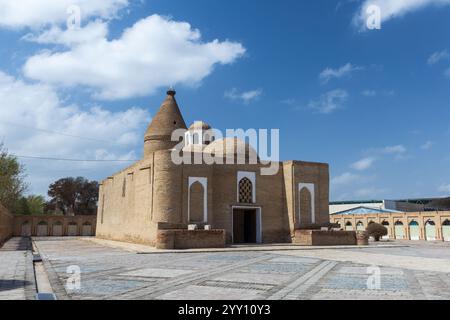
376 231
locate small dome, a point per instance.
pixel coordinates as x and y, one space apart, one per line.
231 146
199 125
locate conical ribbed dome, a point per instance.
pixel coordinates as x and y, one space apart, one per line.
167 119
159 132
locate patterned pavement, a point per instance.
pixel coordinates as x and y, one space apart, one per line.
113 273
16 270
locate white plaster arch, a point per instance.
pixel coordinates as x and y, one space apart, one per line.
204 182
250 176
311 188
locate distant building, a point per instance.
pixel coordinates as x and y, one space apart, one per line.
405 205
414 219
425 225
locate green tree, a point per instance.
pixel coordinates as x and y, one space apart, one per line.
73 196
36 204
21 207
12 184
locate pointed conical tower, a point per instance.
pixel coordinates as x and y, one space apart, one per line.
159 132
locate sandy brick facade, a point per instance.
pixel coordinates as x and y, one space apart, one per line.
54 225
6 224
44 225
432 226
155 190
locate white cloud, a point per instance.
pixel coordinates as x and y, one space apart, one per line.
39 13
398 149
391 9
345 178
330 101
438 56
445 188
427 145
93 31
329 73
34 121
246 97
369 93
363 164
155 52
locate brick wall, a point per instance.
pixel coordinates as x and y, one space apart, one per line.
190 239
324 238
6 225
52 225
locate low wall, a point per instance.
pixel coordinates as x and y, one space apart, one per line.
324 238
52 225
190 239
6 225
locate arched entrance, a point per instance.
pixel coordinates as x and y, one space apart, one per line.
430 230
86 229
72 229
399 230
57 229
42 229
414 230
26 229
348 226
446 230
360 226
386 224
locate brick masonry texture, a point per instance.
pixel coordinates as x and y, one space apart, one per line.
6 224
324 238
441 220
155 190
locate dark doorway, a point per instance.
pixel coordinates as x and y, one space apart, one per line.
244 225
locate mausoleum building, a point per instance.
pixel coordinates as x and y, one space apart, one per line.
232 203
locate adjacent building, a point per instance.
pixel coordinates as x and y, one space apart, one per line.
403 205
424 225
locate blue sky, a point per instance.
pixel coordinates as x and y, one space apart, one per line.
374 104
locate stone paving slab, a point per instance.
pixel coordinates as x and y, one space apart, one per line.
376 258
255 278
114 273
194 292
16 270
144 249
156 273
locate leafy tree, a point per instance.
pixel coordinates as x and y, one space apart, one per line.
21 207
12 184
36 204
376 231
73 196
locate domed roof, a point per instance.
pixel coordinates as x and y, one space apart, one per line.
167 119
199 125
231 146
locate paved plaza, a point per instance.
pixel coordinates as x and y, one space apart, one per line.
16 270
413 271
